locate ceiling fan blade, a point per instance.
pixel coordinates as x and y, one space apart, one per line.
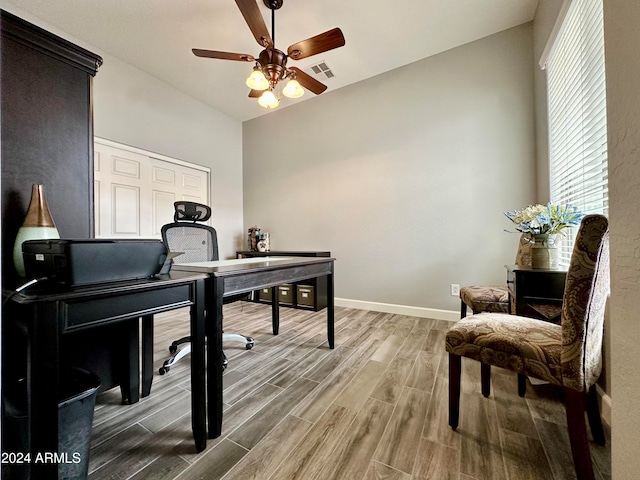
240 57
255 93
253 17
308 82
318 44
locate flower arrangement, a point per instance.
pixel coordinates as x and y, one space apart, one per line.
545 219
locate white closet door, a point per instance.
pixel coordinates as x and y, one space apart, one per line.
171 182
134 190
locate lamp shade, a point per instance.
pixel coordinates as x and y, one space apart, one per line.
268 100
257 80
293 89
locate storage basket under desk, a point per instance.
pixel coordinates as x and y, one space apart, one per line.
308 294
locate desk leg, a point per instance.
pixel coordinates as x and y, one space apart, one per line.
43 373
147 354
275 311
198 375
130 373
330 309
214 355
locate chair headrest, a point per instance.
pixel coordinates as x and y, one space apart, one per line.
191 212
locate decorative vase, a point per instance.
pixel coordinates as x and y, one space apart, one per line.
253 238
38 225
544 251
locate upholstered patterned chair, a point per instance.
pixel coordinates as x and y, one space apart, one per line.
494 299
568 355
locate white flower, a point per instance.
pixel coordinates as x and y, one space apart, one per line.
529 214
545 219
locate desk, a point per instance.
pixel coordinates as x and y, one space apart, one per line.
536 292
230 277
47 314
310 294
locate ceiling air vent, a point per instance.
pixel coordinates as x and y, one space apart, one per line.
320 70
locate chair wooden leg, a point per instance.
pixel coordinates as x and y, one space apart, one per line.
463 309
593 413
485 379
574 404
455 369
522 384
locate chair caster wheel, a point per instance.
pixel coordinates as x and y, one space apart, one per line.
225 362
173 349
249 346
163 370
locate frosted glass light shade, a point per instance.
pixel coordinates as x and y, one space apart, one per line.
268 100
257 80
293 89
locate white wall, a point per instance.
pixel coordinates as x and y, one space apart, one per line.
403 177
136 109
622 37
545 19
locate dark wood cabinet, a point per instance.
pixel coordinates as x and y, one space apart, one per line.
309 294
47 130
46 137
536 292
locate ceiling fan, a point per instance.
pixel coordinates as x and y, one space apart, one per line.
271 65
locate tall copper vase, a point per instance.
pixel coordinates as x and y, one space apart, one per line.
38 224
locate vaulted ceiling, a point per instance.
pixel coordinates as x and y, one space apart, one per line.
157 36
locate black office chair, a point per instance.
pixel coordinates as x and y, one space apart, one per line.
196 243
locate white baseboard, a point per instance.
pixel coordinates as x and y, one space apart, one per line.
448 315
605 405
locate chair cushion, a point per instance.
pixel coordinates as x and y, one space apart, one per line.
486 299
524 345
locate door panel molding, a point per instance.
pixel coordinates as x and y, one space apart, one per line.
134 190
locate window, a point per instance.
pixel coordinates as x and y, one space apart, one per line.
577 114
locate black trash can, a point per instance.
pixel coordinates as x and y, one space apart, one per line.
75 417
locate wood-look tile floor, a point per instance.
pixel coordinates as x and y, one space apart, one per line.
375 407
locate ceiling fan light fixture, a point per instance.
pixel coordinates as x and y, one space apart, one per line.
257 80
268 100
293 89
270 66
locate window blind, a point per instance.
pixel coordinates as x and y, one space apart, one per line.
577 115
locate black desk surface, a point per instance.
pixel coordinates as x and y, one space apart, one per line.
50 291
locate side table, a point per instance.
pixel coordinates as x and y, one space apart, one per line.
536 292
